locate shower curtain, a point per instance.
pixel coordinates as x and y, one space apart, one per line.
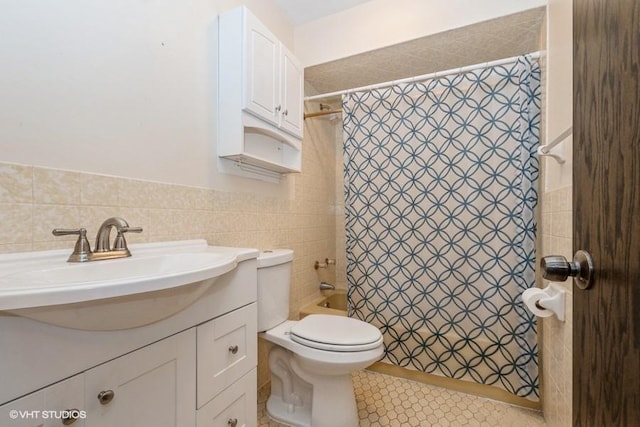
440 192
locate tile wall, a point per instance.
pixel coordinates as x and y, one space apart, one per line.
556 224
556 345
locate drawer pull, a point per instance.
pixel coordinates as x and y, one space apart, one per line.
233 349
233 422
106 396
71 416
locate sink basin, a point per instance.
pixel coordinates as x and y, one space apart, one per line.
159 280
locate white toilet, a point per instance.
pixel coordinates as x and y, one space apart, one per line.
312 360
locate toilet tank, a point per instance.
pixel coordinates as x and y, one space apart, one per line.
274 281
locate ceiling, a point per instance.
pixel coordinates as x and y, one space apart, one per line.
498 38
303 11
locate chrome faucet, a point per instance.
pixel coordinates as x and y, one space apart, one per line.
103 250
119 244
324 286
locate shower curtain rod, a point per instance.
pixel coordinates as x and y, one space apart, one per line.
322 113
533 55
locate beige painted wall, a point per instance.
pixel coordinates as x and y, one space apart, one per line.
119 87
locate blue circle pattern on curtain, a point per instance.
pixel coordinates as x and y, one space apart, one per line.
440 192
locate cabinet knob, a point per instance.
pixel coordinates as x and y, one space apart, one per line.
285 113
278 108
70 417
106 396
233 422
233 349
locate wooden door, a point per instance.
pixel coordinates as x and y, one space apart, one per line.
606 205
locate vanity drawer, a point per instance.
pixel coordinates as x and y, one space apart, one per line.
227 350
237 406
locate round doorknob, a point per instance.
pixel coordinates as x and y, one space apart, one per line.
233 422
233 349
556 268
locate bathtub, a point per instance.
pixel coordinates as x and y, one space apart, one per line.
333 302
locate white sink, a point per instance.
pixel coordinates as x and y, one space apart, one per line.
159 280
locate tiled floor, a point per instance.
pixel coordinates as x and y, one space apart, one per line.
389 401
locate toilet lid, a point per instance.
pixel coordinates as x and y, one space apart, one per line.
335 333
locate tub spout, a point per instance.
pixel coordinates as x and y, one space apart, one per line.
324 286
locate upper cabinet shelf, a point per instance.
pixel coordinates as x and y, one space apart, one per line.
260 92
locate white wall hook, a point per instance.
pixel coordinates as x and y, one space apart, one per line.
544 151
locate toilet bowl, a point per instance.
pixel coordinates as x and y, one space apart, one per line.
313 358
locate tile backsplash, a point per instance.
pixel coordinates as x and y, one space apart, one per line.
34 201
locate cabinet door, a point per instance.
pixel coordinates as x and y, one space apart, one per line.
236 406
292 83
47 407
151 387
227 349
22 412
261 88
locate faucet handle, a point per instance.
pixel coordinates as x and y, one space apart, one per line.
131 230
120 244
69 231
82 249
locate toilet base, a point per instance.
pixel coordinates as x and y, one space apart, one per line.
286 413
333 404
303 398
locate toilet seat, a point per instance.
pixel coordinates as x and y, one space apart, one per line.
335 333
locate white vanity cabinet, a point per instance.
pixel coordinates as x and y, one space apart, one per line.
260 95
194 368
156 386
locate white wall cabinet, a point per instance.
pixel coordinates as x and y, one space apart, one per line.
273 77
260 95
291 92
